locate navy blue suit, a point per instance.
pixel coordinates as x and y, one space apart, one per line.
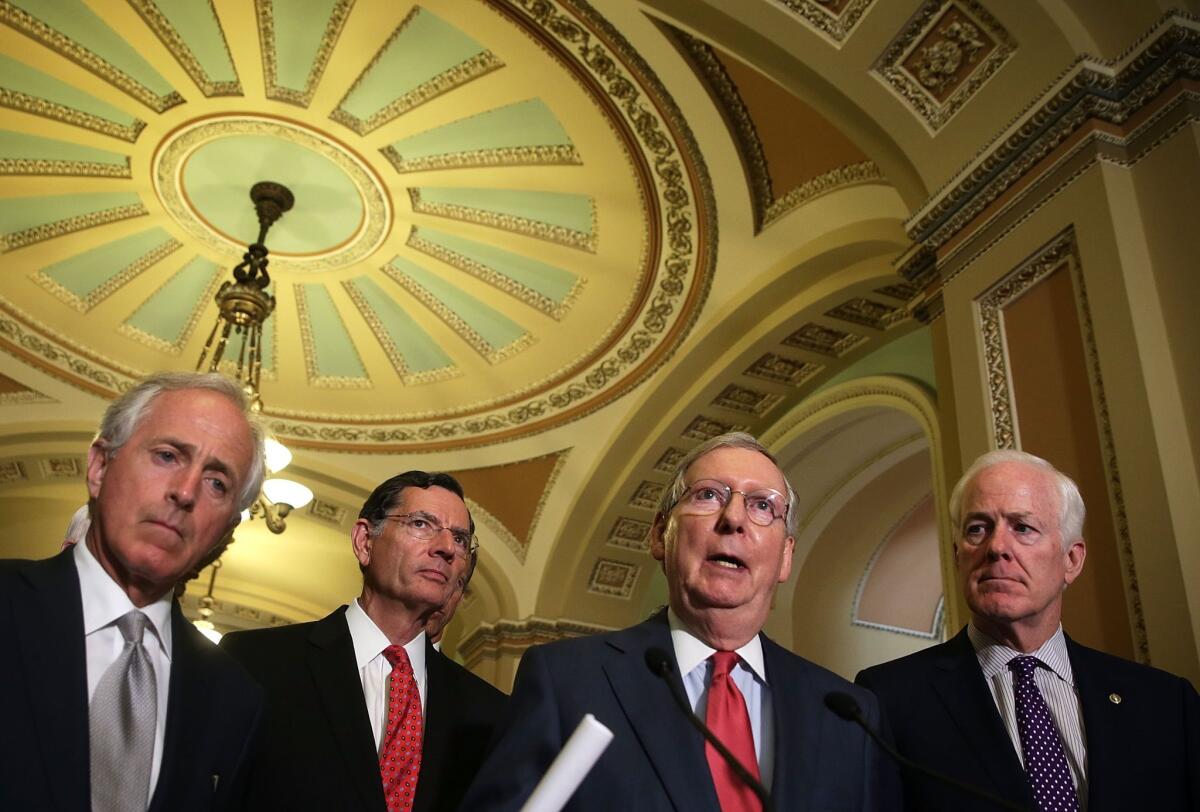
656 760
212 709
1143 752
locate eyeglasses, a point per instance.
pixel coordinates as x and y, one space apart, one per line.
424 527
707 496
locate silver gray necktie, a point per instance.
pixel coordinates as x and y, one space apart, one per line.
121 724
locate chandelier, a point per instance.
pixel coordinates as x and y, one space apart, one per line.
243 304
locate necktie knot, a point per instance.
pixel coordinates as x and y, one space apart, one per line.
397 656
1024 666
723 663
132 625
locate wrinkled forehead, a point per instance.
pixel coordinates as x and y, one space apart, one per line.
1012 487
738 467
445 505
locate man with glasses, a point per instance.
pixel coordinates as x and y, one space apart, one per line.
724 535
361 711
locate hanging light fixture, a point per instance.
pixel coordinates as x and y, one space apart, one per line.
243 305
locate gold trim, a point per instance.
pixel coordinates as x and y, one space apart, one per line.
388 345
509 222
868 313
455 76
310 348
175 43
44 108
840 178
483 516
1059 251
525 155
608 567
113 283
46 166
465 331
90 61
834 27
25 398
173 347
890 66
513 287
48 231
265 13
515 636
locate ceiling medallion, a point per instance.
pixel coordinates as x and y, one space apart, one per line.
193 179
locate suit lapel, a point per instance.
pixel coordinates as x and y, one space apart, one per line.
1102 722
436 746
331 663
54 658
960 685
797 733
675 751
187 704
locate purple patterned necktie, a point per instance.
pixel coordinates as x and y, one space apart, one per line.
1045 761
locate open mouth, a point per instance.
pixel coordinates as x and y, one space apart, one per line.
727 561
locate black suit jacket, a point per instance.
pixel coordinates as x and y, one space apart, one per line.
656 760
212 706
1143 752
317 750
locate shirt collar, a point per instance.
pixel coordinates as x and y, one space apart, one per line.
369 641
691 651
104 601
994 656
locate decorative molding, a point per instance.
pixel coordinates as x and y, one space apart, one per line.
935 622
389 346
60 467
64 46
113 283
833 19
16 100
613 578
26 397
178 47
783 370
839 178
630 534
329 512
868 313
48 167
705 428
470 69
647 496
584 240
48 231
493 355
901 291
525 155
1059 252
266 31
947 51
11 471
490 640
748 401
57 354
483 516
513 287
670 460
823 340
173 347
310 348
232 615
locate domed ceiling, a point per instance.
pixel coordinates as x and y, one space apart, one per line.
500 217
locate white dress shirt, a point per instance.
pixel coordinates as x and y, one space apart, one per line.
375 671
1057 684
103 603
750 676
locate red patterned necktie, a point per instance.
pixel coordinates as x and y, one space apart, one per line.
400 757
727 716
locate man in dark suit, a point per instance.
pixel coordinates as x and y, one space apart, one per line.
111 700
359 705
1011 704
724 535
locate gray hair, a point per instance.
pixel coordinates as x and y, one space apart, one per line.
734 439
78 526
124 414
1071 511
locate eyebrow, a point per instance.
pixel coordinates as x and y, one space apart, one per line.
211 464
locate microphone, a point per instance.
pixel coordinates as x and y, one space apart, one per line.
661 665
846 707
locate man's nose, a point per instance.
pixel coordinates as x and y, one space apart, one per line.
999 543
733 514
184 486
442 544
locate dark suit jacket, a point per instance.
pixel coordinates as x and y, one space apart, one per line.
212 709
318 751
656 759
1143 753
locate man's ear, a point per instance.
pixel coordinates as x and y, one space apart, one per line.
785 568
97 465
361 541
658 544
1075 556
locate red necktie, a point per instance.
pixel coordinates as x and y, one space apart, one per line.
400 757
727 717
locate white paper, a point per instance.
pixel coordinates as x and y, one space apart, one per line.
572 765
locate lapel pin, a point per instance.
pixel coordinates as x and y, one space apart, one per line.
1114 698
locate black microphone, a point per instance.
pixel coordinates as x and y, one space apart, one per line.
663 666
846 707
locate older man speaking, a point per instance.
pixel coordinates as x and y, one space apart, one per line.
723 533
